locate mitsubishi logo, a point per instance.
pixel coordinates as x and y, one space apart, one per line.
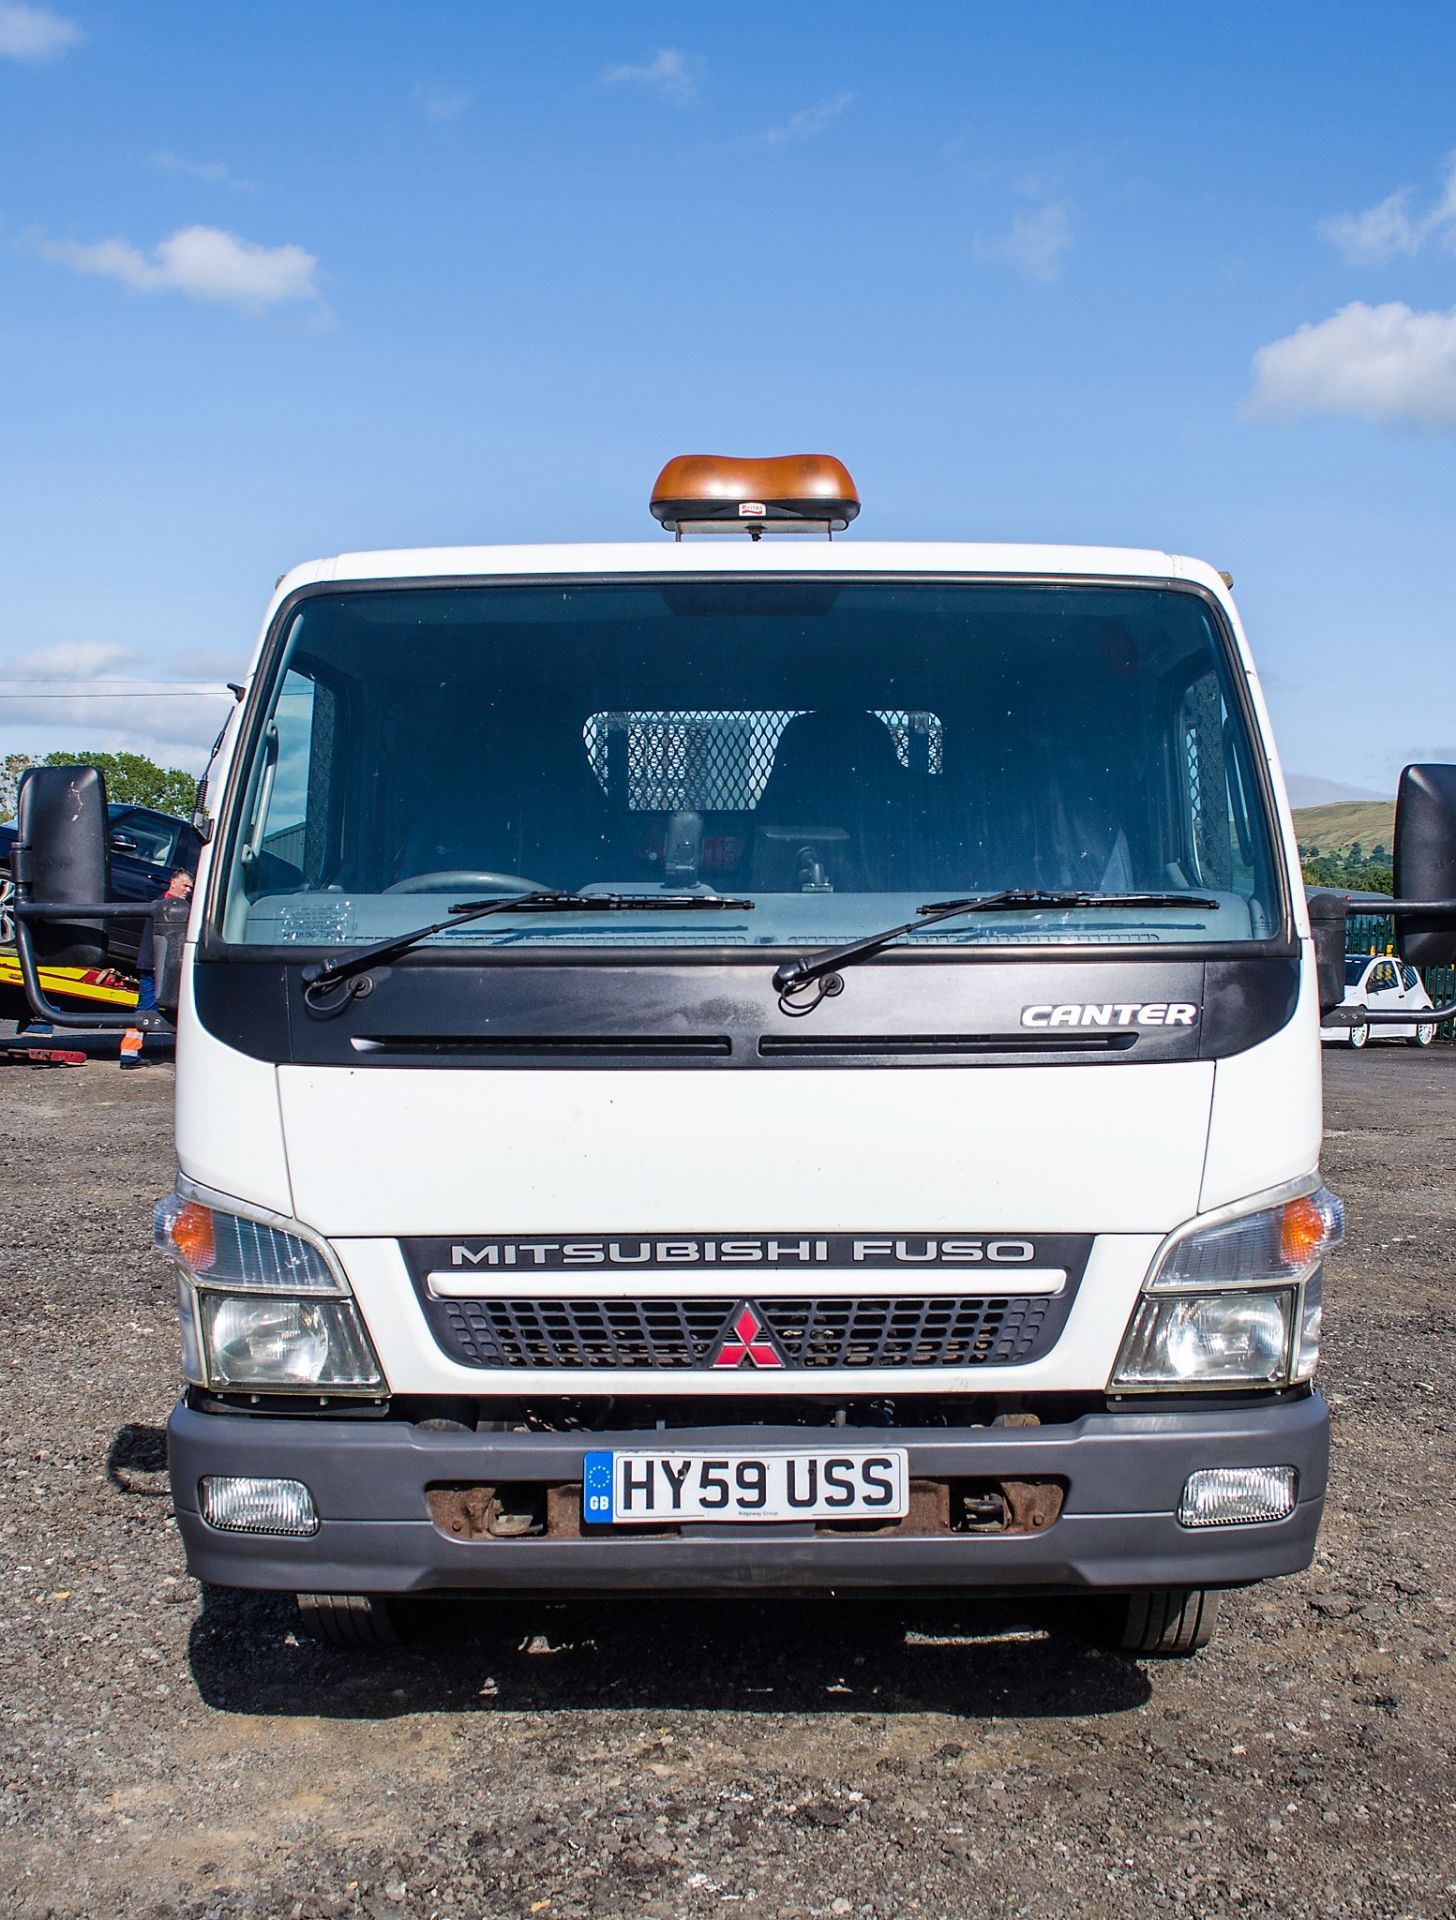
747 1344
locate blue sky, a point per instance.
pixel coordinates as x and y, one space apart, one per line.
283 280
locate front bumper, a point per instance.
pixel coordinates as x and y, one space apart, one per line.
1124 1474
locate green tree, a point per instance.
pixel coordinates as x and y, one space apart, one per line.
1348 870
136 780
12 765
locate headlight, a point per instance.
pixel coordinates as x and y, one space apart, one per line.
261 1310
1235 1303
1207 1338
253 1341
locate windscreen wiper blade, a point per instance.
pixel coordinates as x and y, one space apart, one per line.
323 974
813 966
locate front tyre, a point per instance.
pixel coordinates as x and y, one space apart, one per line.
1358 1036
349 1619
1166 1623
1425 1034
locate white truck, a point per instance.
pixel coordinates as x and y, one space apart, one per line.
745 1065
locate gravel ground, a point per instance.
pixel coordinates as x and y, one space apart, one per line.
169 1752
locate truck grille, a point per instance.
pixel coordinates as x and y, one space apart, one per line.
811 1332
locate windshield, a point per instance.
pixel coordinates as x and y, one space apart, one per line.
1355 965
838 751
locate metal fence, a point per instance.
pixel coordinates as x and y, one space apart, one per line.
1375 933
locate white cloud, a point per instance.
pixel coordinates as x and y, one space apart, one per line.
1380 233
35 34
66 660
174 732
212 173
1387 364
88 695
440 103
1390 230
806 123
673 74
203 262
204 663
1036 242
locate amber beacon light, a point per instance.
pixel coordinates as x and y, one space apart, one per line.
714 493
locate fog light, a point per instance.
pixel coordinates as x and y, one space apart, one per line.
1236 1496
245 1504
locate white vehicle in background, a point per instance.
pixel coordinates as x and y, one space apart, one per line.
1385 985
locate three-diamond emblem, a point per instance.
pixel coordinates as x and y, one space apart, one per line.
748 1342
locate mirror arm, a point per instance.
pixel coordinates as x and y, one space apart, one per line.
35 993
1329 910
92 910
1343 1016
1346 1016
1431 909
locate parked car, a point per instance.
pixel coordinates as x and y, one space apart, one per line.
147 848
1385 985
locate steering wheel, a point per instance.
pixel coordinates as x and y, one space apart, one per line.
462 879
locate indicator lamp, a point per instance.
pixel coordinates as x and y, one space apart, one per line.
716 493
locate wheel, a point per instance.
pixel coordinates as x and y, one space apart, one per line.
1357 1036
1168 1622
1425 1034
349 1619
447 879
7 908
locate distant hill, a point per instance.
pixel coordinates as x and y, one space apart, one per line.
1334 829
1310 790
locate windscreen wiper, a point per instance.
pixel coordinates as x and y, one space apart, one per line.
814 966
323 974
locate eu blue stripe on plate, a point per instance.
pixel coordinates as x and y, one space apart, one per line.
596 1489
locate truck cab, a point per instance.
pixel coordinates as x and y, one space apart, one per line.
745 1064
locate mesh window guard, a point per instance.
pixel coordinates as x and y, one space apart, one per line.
1206 777
717 760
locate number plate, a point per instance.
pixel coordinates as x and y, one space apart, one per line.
653 1487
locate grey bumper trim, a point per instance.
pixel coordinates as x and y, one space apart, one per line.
1125 1472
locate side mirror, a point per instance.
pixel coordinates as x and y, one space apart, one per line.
1425 862
60 857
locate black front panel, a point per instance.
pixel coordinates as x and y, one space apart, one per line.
1049 1008
890 1250
717 1322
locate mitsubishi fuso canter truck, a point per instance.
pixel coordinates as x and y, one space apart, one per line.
744 1064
